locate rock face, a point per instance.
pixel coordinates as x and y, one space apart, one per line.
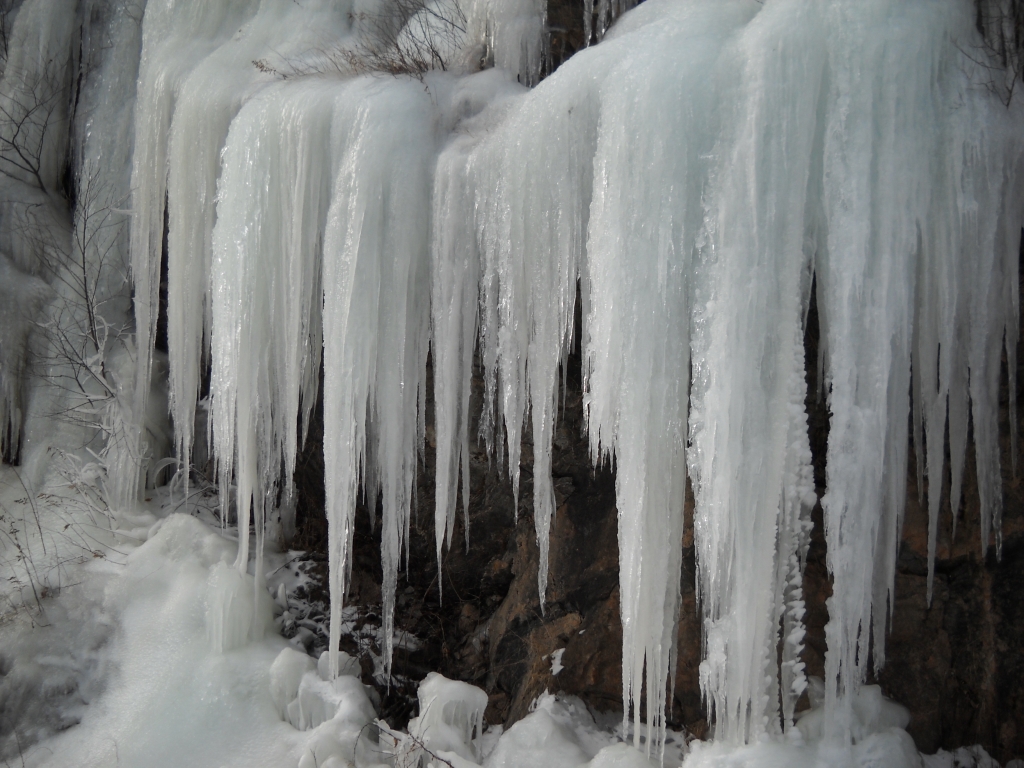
958 665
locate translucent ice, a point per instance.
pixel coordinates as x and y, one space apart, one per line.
451 716
690 179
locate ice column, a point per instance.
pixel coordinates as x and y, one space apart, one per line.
175 38
207 102
749 456
376 320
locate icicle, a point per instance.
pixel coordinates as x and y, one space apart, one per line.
883 62
533 187
376 320
746 443
607 11
455 288
588 22
175 38
636 338
990 212
513 34
265 275
455 278
207 103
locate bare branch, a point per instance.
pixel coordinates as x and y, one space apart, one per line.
408 37
1001 52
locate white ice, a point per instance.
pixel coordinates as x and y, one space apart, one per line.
690 178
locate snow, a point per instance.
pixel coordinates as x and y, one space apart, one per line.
166 670
539 740
556 661
690 178
964 757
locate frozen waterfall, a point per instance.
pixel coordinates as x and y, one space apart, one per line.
692 178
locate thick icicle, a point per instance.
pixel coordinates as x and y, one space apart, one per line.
455 279
534 187
655 125
967 305
175 38
265 276
376 320
991 210
879 145
207 102
455 287
747 449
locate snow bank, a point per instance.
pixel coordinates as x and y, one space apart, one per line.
170 696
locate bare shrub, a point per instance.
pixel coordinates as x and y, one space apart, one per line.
30 114
1001 54
408 37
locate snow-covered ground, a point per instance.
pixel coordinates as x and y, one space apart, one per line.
152 650
148 648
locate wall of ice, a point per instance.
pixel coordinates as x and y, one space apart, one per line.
692 178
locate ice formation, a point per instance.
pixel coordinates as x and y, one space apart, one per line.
451 716
692 178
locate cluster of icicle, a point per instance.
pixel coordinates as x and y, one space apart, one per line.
67 75
692 175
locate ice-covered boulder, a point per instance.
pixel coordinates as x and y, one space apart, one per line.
343 699
286 674
451 716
